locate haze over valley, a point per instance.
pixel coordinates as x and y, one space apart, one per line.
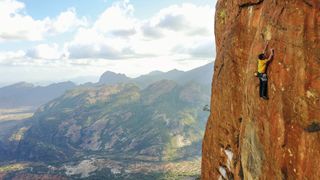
119 127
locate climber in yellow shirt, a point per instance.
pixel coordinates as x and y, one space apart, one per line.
263 62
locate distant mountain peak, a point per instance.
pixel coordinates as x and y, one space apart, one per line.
202 75
112 73
152 73
110 78
175 71
21 85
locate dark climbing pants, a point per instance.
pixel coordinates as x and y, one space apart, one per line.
263 85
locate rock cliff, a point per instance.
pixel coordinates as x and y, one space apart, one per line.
250 138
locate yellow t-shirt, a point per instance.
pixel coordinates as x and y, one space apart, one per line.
262 65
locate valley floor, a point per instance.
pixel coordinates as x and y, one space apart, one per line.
98 168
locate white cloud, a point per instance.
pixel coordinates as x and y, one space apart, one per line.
118 17
44 51
110 37
173 22
150 31
179 36
186 17
81 51
88 43
203 49
66 21
197 49
117 30
18 25
10 7
7 58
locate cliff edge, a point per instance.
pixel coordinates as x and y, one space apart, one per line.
250 138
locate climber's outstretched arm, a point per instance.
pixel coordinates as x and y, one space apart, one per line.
265 48
271 55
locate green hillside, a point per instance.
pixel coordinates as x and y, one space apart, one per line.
163 122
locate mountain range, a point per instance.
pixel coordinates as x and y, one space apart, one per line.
155 122
144 122
28 95
201 75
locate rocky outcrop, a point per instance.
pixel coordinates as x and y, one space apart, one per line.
250 138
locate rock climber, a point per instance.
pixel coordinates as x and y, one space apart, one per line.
263 62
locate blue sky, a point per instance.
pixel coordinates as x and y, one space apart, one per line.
47 41
144 8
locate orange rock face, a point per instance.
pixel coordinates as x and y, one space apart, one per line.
250 138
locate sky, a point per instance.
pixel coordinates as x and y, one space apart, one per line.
52 41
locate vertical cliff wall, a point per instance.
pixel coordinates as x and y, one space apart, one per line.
250 138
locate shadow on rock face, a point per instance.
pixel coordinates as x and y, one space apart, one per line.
314 127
